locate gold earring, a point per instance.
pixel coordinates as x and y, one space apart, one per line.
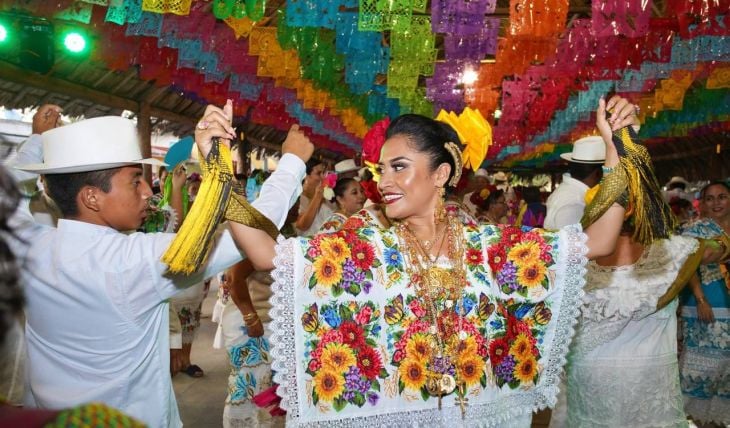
439 214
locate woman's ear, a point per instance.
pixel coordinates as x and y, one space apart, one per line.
441 176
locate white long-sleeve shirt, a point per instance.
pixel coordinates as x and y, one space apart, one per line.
566 204
97 311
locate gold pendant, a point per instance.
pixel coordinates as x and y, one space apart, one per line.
433 385
448 384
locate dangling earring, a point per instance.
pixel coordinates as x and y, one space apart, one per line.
439 214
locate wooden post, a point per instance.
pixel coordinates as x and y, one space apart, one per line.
144 127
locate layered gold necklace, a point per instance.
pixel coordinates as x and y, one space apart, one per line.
441 292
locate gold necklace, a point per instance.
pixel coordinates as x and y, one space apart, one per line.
432 284
428 244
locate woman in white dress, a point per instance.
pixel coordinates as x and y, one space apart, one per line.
622 367
313 209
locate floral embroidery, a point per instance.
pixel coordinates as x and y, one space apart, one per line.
520 260
342 261
514 352
241 388
189 317
354 222
333 224
342 357
253 352
497 326
414 342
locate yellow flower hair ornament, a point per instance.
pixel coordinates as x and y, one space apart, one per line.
474 132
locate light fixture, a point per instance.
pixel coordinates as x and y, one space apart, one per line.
74 42
469 77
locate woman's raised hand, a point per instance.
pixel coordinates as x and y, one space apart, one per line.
621 113
179 176
215 123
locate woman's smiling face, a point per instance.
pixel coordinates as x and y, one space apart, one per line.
407 181
716 201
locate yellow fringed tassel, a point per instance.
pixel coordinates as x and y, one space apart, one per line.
652 216
216 200
685 273
190 248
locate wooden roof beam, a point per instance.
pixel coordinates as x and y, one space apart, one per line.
52 84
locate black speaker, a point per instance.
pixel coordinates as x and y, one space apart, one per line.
29 42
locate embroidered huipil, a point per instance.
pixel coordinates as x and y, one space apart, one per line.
351 341
97 311
704 364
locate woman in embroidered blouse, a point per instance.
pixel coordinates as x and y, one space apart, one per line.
349 198
429 320
705 319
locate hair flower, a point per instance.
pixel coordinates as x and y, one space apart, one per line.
329 181
474 132
372 143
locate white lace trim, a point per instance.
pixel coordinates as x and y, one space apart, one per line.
624 294
282 346
498 412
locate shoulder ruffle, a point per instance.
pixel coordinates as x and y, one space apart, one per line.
628 293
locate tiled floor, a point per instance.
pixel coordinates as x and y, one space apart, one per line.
201 400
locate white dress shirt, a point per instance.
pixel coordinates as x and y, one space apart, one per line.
97 314
566 204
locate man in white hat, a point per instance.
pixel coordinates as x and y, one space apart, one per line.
97 311
677 187
566 204
347 169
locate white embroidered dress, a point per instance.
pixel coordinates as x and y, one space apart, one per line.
622 368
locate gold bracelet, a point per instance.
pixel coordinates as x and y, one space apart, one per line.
253 323
250 316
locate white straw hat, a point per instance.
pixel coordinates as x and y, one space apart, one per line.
587 150
90 145
677 179
346 165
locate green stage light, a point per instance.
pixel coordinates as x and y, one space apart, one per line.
74 42
3 33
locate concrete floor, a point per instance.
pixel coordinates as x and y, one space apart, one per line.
201 399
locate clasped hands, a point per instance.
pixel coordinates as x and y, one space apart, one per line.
216 123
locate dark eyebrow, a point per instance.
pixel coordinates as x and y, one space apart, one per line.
399 158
